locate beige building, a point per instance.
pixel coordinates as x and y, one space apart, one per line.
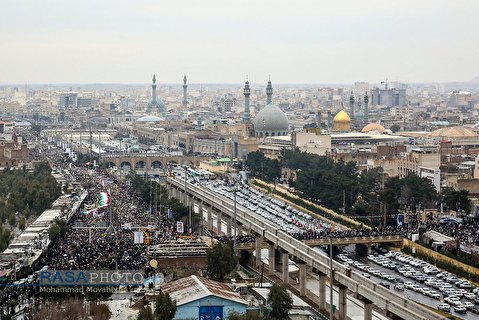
426 157
311 142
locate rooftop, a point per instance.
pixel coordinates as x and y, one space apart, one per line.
193 288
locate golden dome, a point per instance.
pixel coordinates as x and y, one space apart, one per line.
373 127
454 132
318 110
341 117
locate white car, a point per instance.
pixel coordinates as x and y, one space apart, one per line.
460 309
470 296
444 307
468 305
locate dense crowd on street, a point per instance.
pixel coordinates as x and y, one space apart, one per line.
108 248
466 232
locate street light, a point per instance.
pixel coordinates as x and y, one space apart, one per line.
186 201
331 277
234 218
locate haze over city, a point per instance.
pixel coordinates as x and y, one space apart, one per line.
223 41
239 160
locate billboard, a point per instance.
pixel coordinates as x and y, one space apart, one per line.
138 237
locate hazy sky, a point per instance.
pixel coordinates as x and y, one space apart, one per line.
222 41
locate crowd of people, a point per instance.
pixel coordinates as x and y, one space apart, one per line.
243 238
464 232
107 247
324 234
350 233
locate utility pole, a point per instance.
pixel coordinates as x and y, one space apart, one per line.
331 278
91 145
234 219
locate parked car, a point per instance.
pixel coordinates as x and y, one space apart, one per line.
460 309
444 307
399 286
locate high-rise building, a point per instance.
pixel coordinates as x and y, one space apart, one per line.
68 100
389 97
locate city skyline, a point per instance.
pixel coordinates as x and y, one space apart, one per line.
217 42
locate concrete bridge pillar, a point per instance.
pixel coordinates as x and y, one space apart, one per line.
210 219
228 227
202 220
258 241
368 311
271 259
342 305
302 279
178 194
368 307
218 223
322 291
285 267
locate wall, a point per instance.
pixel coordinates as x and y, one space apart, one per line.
191 310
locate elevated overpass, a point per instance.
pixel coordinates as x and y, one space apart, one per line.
305 257
336 241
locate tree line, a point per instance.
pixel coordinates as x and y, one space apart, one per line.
341 186
24 195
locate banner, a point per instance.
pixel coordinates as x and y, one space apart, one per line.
138 237
180 227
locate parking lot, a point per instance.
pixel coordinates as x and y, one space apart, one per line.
286 218
419 281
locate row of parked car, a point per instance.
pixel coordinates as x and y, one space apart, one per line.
455 293
285 217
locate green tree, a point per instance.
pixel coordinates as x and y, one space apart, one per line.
281 302
5 237
395 128
145 314
408 192
262 167
21 223
165 308
101 312
220 261
54 232
456 199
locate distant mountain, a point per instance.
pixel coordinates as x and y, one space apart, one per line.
475 80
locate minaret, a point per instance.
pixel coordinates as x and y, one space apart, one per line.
153 87
366 109
351 105
318 117
153 95
329 118
185 86
246 91
269 93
